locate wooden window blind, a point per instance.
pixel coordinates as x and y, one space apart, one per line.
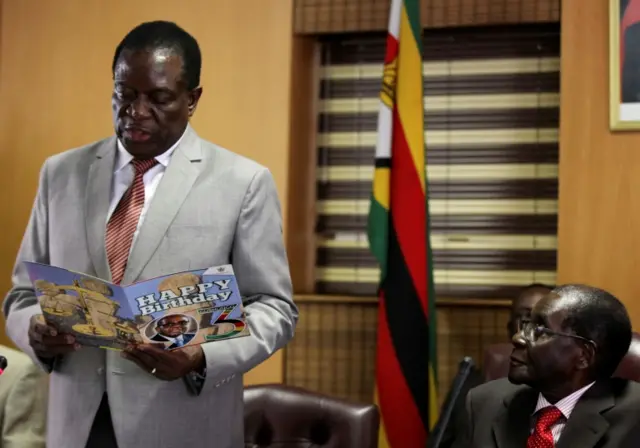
491 120
338 16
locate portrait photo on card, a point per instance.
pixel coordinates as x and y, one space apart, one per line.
172 330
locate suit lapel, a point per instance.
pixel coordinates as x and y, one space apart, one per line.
512 426
97 197
586 425
179 177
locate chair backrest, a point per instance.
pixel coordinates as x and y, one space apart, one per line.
288 417
496 361
629 368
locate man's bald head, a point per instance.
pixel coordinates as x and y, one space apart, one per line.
599 316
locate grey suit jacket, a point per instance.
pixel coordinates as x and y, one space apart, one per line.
23 402
500 415
211 207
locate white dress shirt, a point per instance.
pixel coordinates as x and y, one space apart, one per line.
565 406
123 174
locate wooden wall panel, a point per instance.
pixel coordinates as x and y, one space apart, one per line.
599 210
305 88
335 16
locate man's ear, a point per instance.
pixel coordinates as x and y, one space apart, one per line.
587 356
194 97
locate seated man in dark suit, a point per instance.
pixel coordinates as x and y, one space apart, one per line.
559 392
521 308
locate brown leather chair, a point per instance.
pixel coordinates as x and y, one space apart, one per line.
629 368
496 361
287 417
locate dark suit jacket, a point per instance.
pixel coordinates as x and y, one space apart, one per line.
607 416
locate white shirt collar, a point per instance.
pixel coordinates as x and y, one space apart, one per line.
567 404
180 337
123 157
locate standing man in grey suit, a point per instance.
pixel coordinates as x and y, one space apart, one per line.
559 393
154 199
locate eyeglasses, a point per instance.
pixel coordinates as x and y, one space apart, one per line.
531 332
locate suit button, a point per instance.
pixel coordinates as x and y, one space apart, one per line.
100 370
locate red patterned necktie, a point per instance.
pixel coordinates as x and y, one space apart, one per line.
542 436
124 221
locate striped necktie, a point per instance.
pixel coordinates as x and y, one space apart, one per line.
124 221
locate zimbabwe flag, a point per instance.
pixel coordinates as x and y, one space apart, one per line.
399 239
